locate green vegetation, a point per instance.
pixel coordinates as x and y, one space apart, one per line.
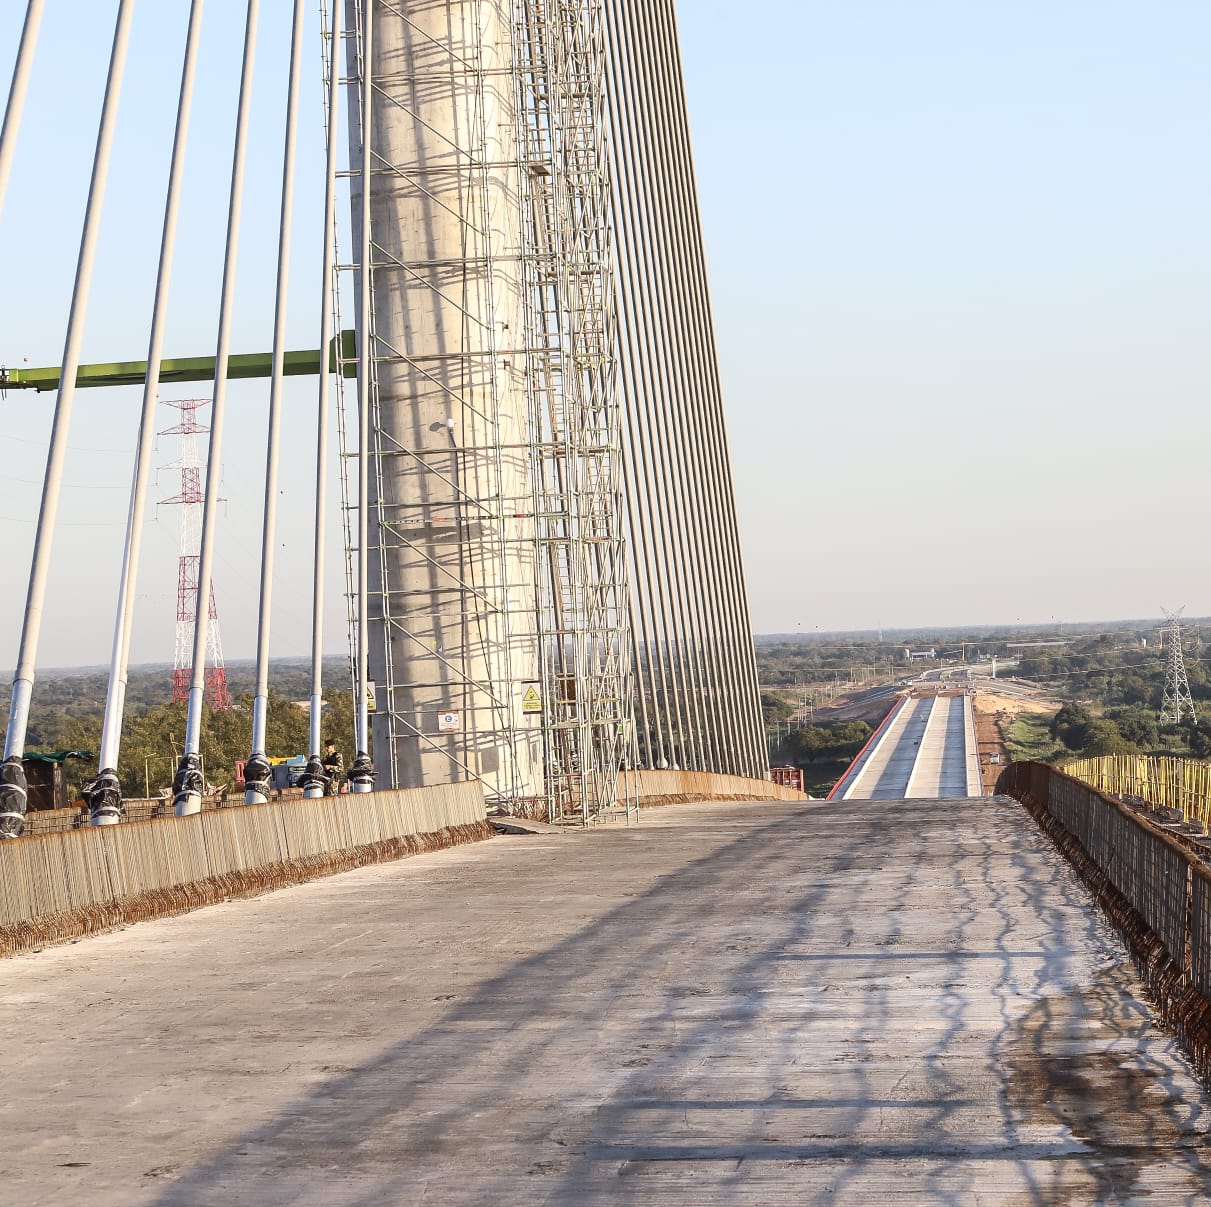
1110 678
822 751
777 707
151 740
820 779
836 740
1028 737
69 708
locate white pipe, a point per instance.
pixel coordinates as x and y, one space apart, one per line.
111 732
364 382
188 798
16 93
321 455
269 531
23 682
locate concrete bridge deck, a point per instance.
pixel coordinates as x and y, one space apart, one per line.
736 1003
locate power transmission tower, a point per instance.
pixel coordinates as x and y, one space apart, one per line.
1176 701
190 500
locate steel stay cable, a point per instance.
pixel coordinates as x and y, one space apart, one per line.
736 650
650 523
696 514
642 538
708 406
653 239
643 296
689 255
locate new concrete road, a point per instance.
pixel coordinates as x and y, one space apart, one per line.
926 748
750 1004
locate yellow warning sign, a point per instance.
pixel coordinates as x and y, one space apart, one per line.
531 701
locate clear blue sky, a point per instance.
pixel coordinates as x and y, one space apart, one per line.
962 282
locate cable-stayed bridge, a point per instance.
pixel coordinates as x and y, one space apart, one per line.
512 335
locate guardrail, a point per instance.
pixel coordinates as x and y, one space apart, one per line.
1181 784
1155 890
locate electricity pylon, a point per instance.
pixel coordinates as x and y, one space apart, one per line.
1176 701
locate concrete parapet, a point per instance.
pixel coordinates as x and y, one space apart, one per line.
673 787
55 887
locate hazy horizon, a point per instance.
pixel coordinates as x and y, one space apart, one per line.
958 257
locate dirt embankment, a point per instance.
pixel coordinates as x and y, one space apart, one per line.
993 714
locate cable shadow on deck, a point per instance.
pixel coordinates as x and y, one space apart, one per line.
712 1077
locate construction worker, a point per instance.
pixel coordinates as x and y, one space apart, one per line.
334 767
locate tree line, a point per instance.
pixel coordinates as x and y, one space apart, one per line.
830 741
151 739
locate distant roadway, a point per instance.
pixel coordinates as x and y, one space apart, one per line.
925 749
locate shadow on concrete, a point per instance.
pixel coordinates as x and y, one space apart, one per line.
769 1052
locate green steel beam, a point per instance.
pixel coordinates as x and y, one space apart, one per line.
189 368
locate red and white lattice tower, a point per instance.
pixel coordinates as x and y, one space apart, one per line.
190 501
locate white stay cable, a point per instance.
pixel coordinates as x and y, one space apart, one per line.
365 383
188 785
23 682
105 798
314 784
16 93
257 770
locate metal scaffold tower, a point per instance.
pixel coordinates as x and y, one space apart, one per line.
575 421
497 599
190 500
453 641
1176 703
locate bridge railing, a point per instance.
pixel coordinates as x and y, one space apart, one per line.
1154 886
1181 784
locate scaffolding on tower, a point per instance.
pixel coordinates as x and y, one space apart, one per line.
498 605
570 345
190 500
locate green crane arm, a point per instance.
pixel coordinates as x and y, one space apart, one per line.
190 368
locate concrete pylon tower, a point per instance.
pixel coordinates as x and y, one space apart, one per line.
454 649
